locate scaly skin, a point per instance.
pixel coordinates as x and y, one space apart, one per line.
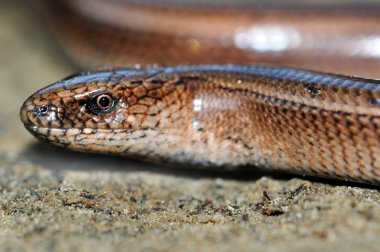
267 117
114 33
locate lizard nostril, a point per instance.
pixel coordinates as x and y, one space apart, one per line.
41 111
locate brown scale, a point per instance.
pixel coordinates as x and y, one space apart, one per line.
332 40
300 122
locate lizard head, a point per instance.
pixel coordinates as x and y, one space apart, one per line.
83 112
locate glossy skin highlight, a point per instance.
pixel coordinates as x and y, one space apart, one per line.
213 115
114 33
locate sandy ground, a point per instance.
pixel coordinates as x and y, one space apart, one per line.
52 199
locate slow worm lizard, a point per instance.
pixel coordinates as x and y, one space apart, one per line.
280 118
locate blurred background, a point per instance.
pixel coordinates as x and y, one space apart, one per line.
51 199
29 60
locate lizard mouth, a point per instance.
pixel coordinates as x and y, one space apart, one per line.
43 133
46 134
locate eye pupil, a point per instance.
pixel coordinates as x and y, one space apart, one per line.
101 104
104 101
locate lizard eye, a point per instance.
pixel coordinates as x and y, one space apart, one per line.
101 104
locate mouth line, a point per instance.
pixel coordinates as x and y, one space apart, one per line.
38 129
34 127
56 136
